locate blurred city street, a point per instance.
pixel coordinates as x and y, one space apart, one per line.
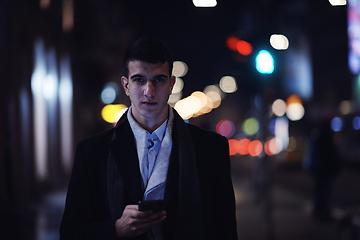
268 75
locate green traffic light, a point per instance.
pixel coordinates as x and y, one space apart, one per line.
264 62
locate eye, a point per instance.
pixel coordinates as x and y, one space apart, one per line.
138 79
160 79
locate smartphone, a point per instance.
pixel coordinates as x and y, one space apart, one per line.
154 205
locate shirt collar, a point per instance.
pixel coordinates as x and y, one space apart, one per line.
140 133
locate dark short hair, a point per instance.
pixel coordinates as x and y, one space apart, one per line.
150 50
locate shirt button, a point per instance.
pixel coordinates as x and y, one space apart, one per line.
151 152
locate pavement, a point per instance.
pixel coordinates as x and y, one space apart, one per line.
287 212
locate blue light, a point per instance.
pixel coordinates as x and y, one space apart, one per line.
356 123
272 126
337 124
264 62
108 94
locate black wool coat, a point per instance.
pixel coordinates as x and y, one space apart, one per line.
87 212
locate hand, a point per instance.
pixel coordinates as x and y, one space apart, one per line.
133 222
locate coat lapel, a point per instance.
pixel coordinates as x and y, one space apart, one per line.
123 148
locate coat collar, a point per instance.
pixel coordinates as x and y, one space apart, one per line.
123 149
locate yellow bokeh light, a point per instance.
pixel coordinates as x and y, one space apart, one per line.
183 109
228 84
193 104
178 86
293 99
279 107
201 96
214 98
345 107
295 111
279 42
112 112
179 69
174 97
214 88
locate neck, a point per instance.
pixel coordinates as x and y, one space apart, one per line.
151 124
150 127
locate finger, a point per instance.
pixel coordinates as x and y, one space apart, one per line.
133 207
151 217
148 225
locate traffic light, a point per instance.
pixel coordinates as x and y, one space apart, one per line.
264 62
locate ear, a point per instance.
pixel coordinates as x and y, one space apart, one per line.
125 84
172 82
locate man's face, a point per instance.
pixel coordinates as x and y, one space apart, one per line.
149 87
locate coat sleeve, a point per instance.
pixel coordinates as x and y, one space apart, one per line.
84 216
218 198
223 194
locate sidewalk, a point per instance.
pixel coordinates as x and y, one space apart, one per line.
291 213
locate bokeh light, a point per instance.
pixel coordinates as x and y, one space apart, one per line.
214 88
181 108
295 111
338 2
231 42
273 146
112 112
293 99
272 126
345 107
255 148
194 104
204 3
214 98
108 94
178 86
50 87
244 48
243 146
356 123
174 98
225 128
250 126
264 62
337 124
179 69
228 84
282 132
279 42
279 107
233 147
267 148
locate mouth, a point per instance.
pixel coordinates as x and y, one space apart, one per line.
149 103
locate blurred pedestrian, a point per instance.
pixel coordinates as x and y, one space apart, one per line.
323 162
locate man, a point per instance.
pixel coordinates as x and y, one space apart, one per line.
151 154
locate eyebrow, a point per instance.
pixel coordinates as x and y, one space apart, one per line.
142 76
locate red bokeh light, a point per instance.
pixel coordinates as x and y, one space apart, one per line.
244 48
255 148
243 146
232 147
267 148
231 42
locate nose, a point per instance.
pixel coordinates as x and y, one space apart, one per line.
149 90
